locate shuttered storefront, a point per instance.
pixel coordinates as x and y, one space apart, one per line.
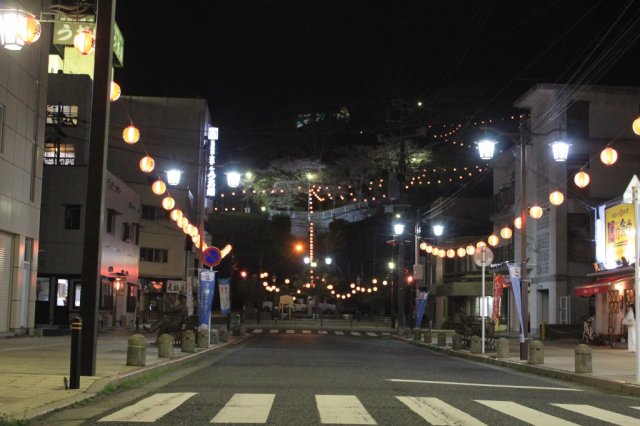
5 280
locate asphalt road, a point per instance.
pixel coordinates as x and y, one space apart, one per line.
300 379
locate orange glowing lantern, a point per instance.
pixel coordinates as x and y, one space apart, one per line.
470 250
158 187
442 253
84 42
182 222
556 198
131 134
608 156
429 249
636 126
423 246
147 164
451 253
115 92
517 222
461 252
481 244
581 179
535 211
31 29
176 215
493 240
168 203
506 232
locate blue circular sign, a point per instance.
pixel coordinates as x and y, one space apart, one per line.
212 256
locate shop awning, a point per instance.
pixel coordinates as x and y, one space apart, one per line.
600 285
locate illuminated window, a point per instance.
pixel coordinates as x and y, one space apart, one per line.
62 115
59 154
148 254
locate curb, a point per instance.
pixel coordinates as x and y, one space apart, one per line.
586 379
100 384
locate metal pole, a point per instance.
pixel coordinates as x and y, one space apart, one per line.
401 287
484 252
524 289
634 198
74 363
97 170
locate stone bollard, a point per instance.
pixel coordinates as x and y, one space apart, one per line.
456 341
137 350
215 336
476 345
502 347
203 336
426 336
442 339
583 359
417 334
188 341
222 334
165 346
536 352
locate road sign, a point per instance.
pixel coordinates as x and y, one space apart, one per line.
211 256
479 259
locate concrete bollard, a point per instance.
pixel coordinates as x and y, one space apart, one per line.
165 346
442 339
583 359
203 337
476 345
502 347
188 341
536 352
456 341
417 334
426 337
222 334
137 350
215 336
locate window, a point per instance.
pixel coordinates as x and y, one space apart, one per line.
153 255
154 213
77 294
59 154
62 292
106 295
42 289
578 120
126 232
62 115
131 297
72 216
111 222
135 233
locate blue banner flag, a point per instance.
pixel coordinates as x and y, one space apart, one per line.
421 304
205 296
224 284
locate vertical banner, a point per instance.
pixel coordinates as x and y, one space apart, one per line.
225 300
421 303
514 274
205 296
498 284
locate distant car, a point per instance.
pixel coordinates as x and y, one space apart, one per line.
267 305
324 307
299 307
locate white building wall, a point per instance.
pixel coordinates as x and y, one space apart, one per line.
23 99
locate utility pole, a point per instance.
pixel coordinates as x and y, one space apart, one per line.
524 287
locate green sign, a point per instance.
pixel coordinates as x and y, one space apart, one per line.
65 31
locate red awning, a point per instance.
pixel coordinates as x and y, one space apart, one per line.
600 285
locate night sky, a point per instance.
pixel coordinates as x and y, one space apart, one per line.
258 63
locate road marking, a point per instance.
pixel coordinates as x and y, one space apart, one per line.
372 334
486 385
386 334
342 410
246 408
526 414
291 331
274 331
306 331
600 414
322 332
356 333
437 412
339 333
257 330
149 409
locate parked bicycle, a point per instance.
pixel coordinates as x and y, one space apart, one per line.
589 335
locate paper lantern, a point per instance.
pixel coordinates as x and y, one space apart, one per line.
84 42
470 250
461 252
636 126
535 212
131 134
423 246
506 232
481 244
31 29
428 249
517 222
451 253
168 203
193 231
158 187
608 156
556 198
581 179
442 253
115 93
186 227
176 215
493 240
147 164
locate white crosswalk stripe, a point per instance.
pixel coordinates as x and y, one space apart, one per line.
600 414
246 408
339 333
306 331
356 333
322 332
149 409
372 334
257 330
343 410
274 331
525 414
290 331
437 412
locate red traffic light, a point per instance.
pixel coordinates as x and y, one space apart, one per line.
243 274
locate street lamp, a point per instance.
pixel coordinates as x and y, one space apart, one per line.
438 230
398 230
233 179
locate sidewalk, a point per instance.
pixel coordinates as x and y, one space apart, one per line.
32 370
613 369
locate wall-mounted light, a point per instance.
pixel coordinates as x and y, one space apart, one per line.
173 176
560 150
438 230
486 148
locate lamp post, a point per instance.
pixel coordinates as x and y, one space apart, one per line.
398 230
392 267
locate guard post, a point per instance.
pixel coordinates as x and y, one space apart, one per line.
76 340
